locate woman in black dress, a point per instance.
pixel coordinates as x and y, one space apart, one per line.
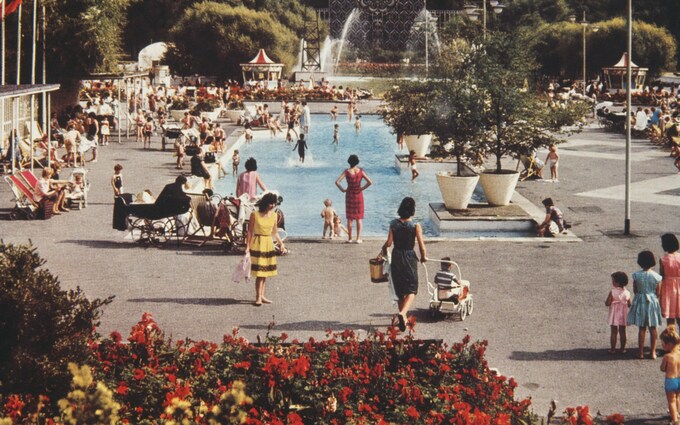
404 266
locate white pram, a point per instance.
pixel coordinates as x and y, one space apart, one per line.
449 293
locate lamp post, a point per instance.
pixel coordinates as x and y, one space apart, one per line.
473 12
629 60
584 24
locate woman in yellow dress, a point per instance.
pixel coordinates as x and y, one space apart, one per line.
261 230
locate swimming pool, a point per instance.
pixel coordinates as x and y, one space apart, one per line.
305 186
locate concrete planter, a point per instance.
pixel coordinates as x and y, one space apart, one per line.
178 114
234 114
212 116
498 188
419 143
456 190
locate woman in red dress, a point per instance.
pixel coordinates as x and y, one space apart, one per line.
354 197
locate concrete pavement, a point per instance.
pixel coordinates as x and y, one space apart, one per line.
540 305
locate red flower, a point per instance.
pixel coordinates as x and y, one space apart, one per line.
412 412
615 419
116 337
122 388
139 374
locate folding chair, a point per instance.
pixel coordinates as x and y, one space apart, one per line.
25 205
203 211
532 168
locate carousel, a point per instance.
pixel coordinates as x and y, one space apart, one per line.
261 72
615 76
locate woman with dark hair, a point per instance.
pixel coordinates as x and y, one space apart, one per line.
404 264
260 246
669 269
354 197
249 180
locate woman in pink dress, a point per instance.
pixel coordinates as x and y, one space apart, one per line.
249 180
354 197
669 269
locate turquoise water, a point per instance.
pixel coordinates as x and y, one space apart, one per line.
305 186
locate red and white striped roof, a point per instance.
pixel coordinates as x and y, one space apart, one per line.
262 59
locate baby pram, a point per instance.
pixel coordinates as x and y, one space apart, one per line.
148 223
449 293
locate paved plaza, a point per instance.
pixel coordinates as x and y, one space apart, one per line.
540 304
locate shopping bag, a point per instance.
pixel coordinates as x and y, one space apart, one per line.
242 270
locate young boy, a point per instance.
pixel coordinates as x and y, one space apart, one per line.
357 124
448 285
336 134
235 161
327 214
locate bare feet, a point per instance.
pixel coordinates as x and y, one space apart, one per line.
257 303
266 301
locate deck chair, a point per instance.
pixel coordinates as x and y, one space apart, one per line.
532 167
39 156
29 178
203 211
25 205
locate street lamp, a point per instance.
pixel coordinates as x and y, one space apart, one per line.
584 24
473 12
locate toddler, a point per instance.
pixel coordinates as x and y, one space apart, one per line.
448 285
552 159
235 160
338 228
412 164
645 311
327 214
117 180
618 302
105 131
336 134
357 124
670 365
334 113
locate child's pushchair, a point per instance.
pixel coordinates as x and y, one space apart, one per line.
449 293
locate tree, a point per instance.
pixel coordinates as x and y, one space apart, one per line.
42 327
557 44
213 39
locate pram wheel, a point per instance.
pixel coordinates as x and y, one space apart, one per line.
13 215
463 312
139 231
162 230
470 306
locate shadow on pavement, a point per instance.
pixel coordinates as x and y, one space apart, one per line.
123 244
576 354
192 301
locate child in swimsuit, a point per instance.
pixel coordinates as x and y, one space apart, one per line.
235 161
412 165
671 366
551 160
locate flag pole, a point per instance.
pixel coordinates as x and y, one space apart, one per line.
2 79
19 45
35 45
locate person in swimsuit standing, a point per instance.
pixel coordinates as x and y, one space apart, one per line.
117 180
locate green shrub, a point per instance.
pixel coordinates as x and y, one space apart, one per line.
42 327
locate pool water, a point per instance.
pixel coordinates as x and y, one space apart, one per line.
305 186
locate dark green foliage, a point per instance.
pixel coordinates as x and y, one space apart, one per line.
42 327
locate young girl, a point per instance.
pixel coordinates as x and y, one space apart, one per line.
618 302
552 159
412 165
645 312
148 131
105 131
671 366
235 160
117 180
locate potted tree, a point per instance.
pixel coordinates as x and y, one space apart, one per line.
408 110
459 109
178 107
515 119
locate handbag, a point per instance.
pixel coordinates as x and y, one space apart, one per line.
242 270
210 158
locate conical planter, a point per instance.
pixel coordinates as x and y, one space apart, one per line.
456 190
498 188
419 143
234 114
